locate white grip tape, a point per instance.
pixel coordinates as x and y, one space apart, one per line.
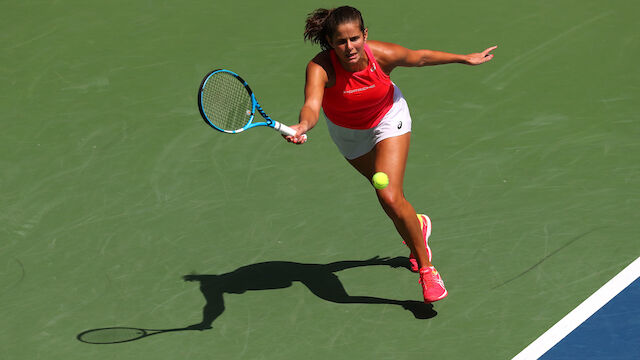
284 129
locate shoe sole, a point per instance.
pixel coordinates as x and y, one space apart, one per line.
438 299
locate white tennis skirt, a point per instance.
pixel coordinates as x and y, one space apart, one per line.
354 143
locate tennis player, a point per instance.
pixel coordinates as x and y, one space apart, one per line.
368 118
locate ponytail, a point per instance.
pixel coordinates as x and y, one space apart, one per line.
322 23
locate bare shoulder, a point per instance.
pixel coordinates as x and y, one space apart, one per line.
320 68
322 59
387 54
380 47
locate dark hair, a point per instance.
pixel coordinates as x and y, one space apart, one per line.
322 23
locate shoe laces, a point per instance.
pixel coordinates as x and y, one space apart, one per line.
431 278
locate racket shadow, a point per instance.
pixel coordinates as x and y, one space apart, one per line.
120 334
320 279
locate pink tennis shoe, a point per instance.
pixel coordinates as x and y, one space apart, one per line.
432 285
425 224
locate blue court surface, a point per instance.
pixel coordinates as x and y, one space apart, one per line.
611 332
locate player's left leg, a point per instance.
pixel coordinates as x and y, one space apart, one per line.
390 156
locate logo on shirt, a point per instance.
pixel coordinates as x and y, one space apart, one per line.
359 89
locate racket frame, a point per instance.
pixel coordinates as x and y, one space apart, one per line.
283 129
145 333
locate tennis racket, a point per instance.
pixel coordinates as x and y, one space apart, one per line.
115 335
227 104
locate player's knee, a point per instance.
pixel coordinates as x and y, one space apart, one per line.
392 203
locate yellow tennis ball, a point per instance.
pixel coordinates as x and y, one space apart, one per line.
380 180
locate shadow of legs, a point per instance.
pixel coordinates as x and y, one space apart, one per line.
329 288
320 279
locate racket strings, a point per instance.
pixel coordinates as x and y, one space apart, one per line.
226 102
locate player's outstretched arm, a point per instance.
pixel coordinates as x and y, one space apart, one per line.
316 79
394 55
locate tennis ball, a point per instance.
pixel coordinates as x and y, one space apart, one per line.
380 180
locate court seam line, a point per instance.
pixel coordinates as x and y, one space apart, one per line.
581 313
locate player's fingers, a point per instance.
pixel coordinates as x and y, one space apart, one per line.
297 139
301 139
488 50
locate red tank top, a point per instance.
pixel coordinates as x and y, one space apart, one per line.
360 99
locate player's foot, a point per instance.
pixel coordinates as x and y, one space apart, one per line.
432 285
425 224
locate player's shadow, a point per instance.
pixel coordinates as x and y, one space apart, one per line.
320 279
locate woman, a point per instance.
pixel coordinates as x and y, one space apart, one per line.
368 118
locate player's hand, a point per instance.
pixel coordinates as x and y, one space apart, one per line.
481 57
300 137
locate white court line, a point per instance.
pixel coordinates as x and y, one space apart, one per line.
576 317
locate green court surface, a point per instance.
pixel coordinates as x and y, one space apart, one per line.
112 187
